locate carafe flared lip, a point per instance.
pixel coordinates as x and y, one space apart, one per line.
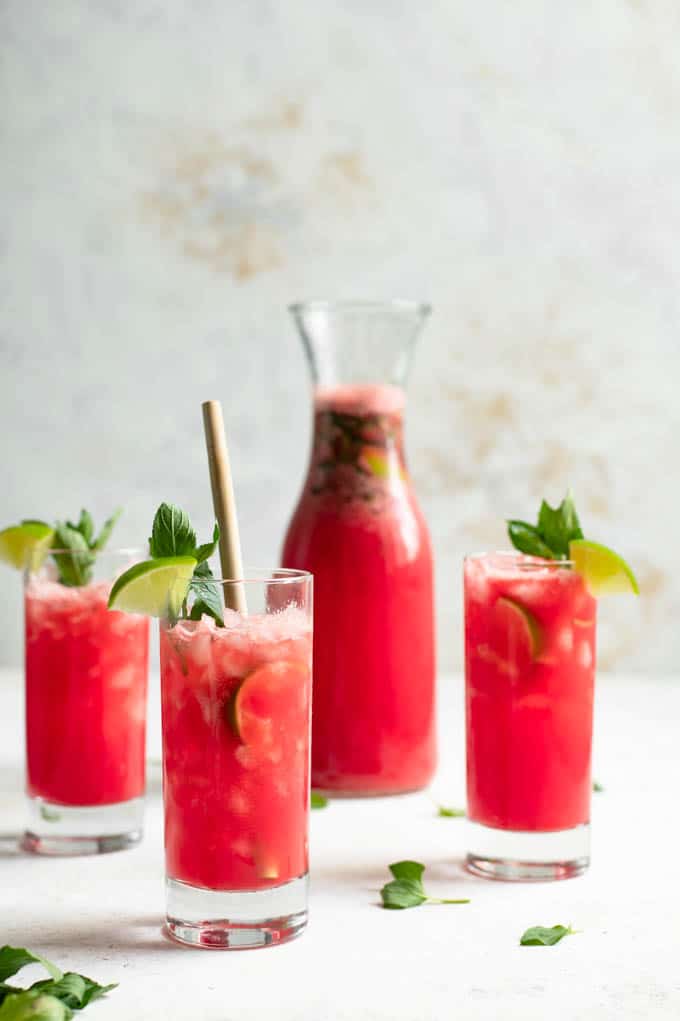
423 308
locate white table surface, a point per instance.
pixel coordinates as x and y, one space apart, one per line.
102 915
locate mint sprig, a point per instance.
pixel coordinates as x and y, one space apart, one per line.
79 547
50 999
550 536
172 535
406 890
540 936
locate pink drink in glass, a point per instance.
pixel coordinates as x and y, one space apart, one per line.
530 666
236 733
358 528
86 681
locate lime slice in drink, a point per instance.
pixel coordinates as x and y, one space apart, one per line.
519 634
25 545
154 587
267 703
605 572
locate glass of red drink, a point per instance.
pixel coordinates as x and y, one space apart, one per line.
86 684
360 531
529 673
236 706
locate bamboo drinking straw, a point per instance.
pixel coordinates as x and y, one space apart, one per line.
224 504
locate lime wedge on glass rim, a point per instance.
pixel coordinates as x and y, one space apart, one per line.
604 571
154 587
25 545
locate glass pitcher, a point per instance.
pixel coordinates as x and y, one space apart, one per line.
359 530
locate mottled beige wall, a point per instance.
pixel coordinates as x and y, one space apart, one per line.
175 173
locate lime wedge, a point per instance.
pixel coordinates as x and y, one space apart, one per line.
155 587
605 572
25 545
520 630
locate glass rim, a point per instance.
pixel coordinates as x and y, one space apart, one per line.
530 561
262 576
120 551
406 304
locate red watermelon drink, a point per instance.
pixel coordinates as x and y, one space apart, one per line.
86 678
236 738
530 670
358 528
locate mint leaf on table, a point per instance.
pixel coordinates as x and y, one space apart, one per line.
75 990
208 595
32 1005
445 812
406 889
48 999
550 537
540 936
13 959
597 787
171 534
317 800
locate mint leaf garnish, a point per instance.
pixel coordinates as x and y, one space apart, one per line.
597 787
317 800
406 889
539 936
445 812
208 597
79 547
172 534
205 551
550 537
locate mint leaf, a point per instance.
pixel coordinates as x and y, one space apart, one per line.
539 936
75 990
106 529
13 959
597 787
526 538
550 537
402 893
450 813
409 870
208 595
317 800
32 1005
75 563
205 551
172 534
559 525
406 889
85 526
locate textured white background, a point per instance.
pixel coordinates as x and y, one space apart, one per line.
173 173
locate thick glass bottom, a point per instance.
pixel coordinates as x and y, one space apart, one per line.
72 830
527 856
235 919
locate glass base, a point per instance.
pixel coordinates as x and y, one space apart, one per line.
71 830
235 919
527 856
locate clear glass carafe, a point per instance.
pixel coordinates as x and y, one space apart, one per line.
359 530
